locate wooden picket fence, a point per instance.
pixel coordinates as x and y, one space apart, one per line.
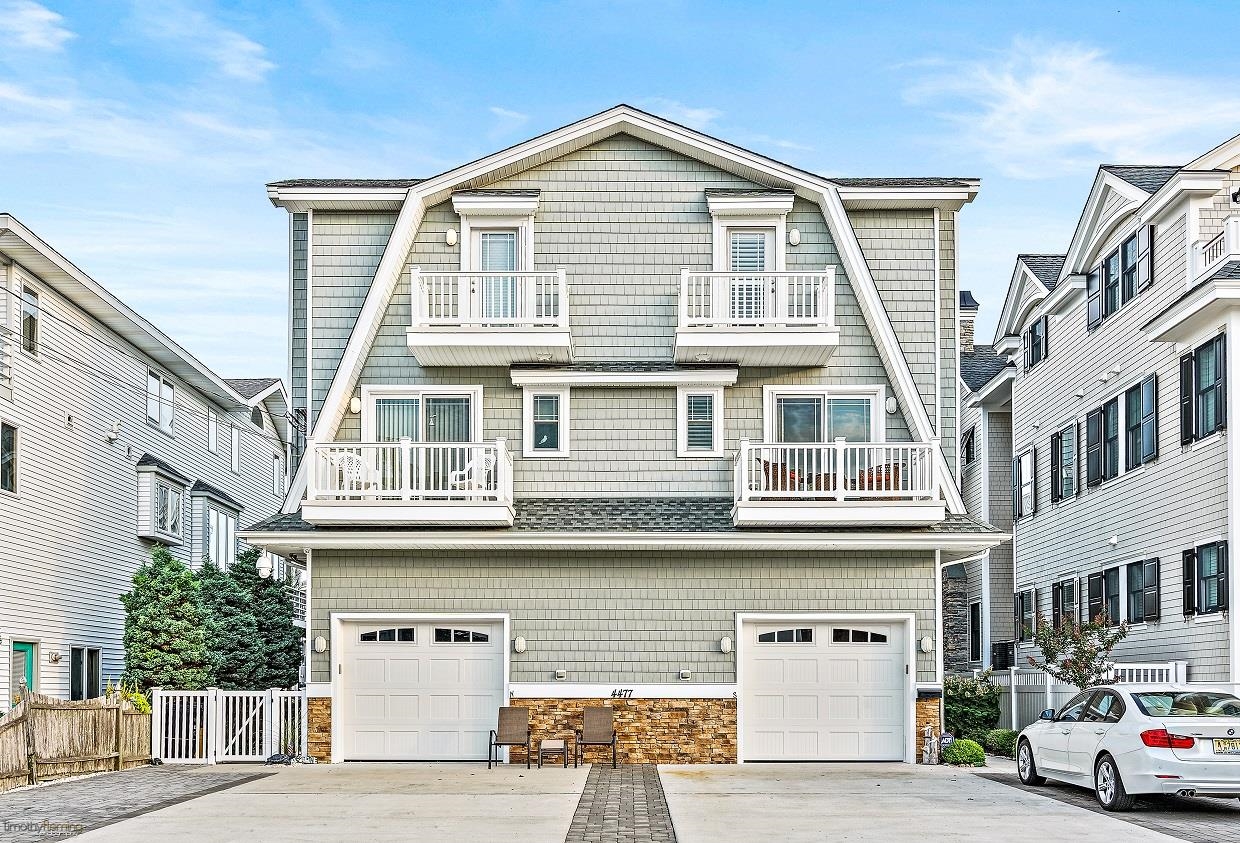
44 738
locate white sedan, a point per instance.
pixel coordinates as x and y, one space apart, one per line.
1123 740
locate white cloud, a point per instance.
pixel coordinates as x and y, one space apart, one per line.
1040 110
233 54
779 143
29 25
695 117
509 114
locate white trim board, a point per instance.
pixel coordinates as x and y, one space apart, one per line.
675 377
639 690
627 120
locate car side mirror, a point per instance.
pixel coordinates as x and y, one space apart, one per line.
1048 714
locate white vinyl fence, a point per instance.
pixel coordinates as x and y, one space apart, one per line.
211 726
1026 692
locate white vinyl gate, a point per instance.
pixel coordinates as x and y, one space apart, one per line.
211 726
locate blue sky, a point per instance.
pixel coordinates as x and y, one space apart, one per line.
136 137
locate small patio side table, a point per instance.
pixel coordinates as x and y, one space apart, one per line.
551 747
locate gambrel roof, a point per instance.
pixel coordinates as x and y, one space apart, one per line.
624 119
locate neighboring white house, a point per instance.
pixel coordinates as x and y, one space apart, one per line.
112 438
1124 480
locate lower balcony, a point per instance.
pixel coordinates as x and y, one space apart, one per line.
855 484
409 483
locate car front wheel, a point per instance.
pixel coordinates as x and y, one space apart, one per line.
1025 768
1109 787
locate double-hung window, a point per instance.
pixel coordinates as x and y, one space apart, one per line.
546 422
1063 464
1205 579
160 401
8 458
1144 594
1024 484
30 320
1026 614
84 673
1036 342
1141 423
1102 443
1120 276
1203 379
167 511
1064 606
1103 595
699 417
975 631
1110 283
1128 269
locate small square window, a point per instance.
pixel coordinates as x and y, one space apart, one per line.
546 423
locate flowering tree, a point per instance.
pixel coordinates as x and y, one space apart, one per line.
1078 653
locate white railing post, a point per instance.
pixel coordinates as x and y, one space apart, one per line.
684 297
271 737
1046 680
742 469
838 452
212 727
464 298
1231 236
781 308
157 723
503 471
312 475
1015 706
936 448
420 298
720 300
826 299
561 298
406 468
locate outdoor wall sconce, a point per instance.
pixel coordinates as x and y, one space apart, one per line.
927 644
449 237
892 404
725 644
320 644
686 675
794 237
54 657
355 405
518 644
561 675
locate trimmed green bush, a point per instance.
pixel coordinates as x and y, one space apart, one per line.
971 706
165 643
964 752
1002 742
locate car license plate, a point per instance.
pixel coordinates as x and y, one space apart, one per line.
1227 746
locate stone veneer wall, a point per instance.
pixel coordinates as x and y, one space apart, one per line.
955 620
648 731
319 736
929 712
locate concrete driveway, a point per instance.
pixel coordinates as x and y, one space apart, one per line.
372 803
880 802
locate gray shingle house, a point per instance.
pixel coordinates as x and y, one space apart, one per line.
1123 477
625 415
112 438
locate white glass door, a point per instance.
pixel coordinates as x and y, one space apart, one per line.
498 253
749 251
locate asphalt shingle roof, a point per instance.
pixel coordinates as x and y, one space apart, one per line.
150 461
1148 177
360 183
911 181
980 366
747 191
249 387
1045 267
215 492
1229 271
627 515
532 191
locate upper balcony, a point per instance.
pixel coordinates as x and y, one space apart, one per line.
409 483
489 318
860 484
757 318
1212 254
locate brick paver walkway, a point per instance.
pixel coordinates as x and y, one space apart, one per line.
625 805
1195 820
62 809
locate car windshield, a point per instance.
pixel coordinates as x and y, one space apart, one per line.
1187 703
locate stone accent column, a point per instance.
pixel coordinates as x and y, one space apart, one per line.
929 712
319 735
955 620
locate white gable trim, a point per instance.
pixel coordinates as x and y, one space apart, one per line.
627 120
1092 226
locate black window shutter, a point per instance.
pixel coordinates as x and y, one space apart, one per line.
1045 339
1082 603
1016 513
1095 596
1056 595
1145 257
1187 428
1224 577
1150 419
1152 596
1033 482
1189 560
1093 288
1093 448
1027 338
1220 367
1077 459
1020 635
1056 468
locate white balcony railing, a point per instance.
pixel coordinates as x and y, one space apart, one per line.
759 300
836 471
1222 247
410 471
482 300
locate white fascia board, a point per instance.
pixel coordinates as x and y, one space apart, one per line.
523 206
1221 157
534 540
993 391
747 206
705 377
1010 322
1186 318
299 198
947 198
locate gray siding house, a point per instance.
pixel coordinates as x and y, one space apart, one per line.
112 438
1123 482
625 415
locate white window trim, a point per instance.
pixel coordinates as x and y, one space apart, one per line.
527 423
164 380
18 305
86 648
176 487
17 459
682 421
981 629
371 392
213 431
207 539
480 213
1032 642
875 393
722 225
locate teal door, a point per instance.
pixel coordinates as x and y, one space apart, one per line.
21 669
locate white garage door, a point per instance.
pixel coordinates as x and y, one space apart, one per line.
824 691
420 691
